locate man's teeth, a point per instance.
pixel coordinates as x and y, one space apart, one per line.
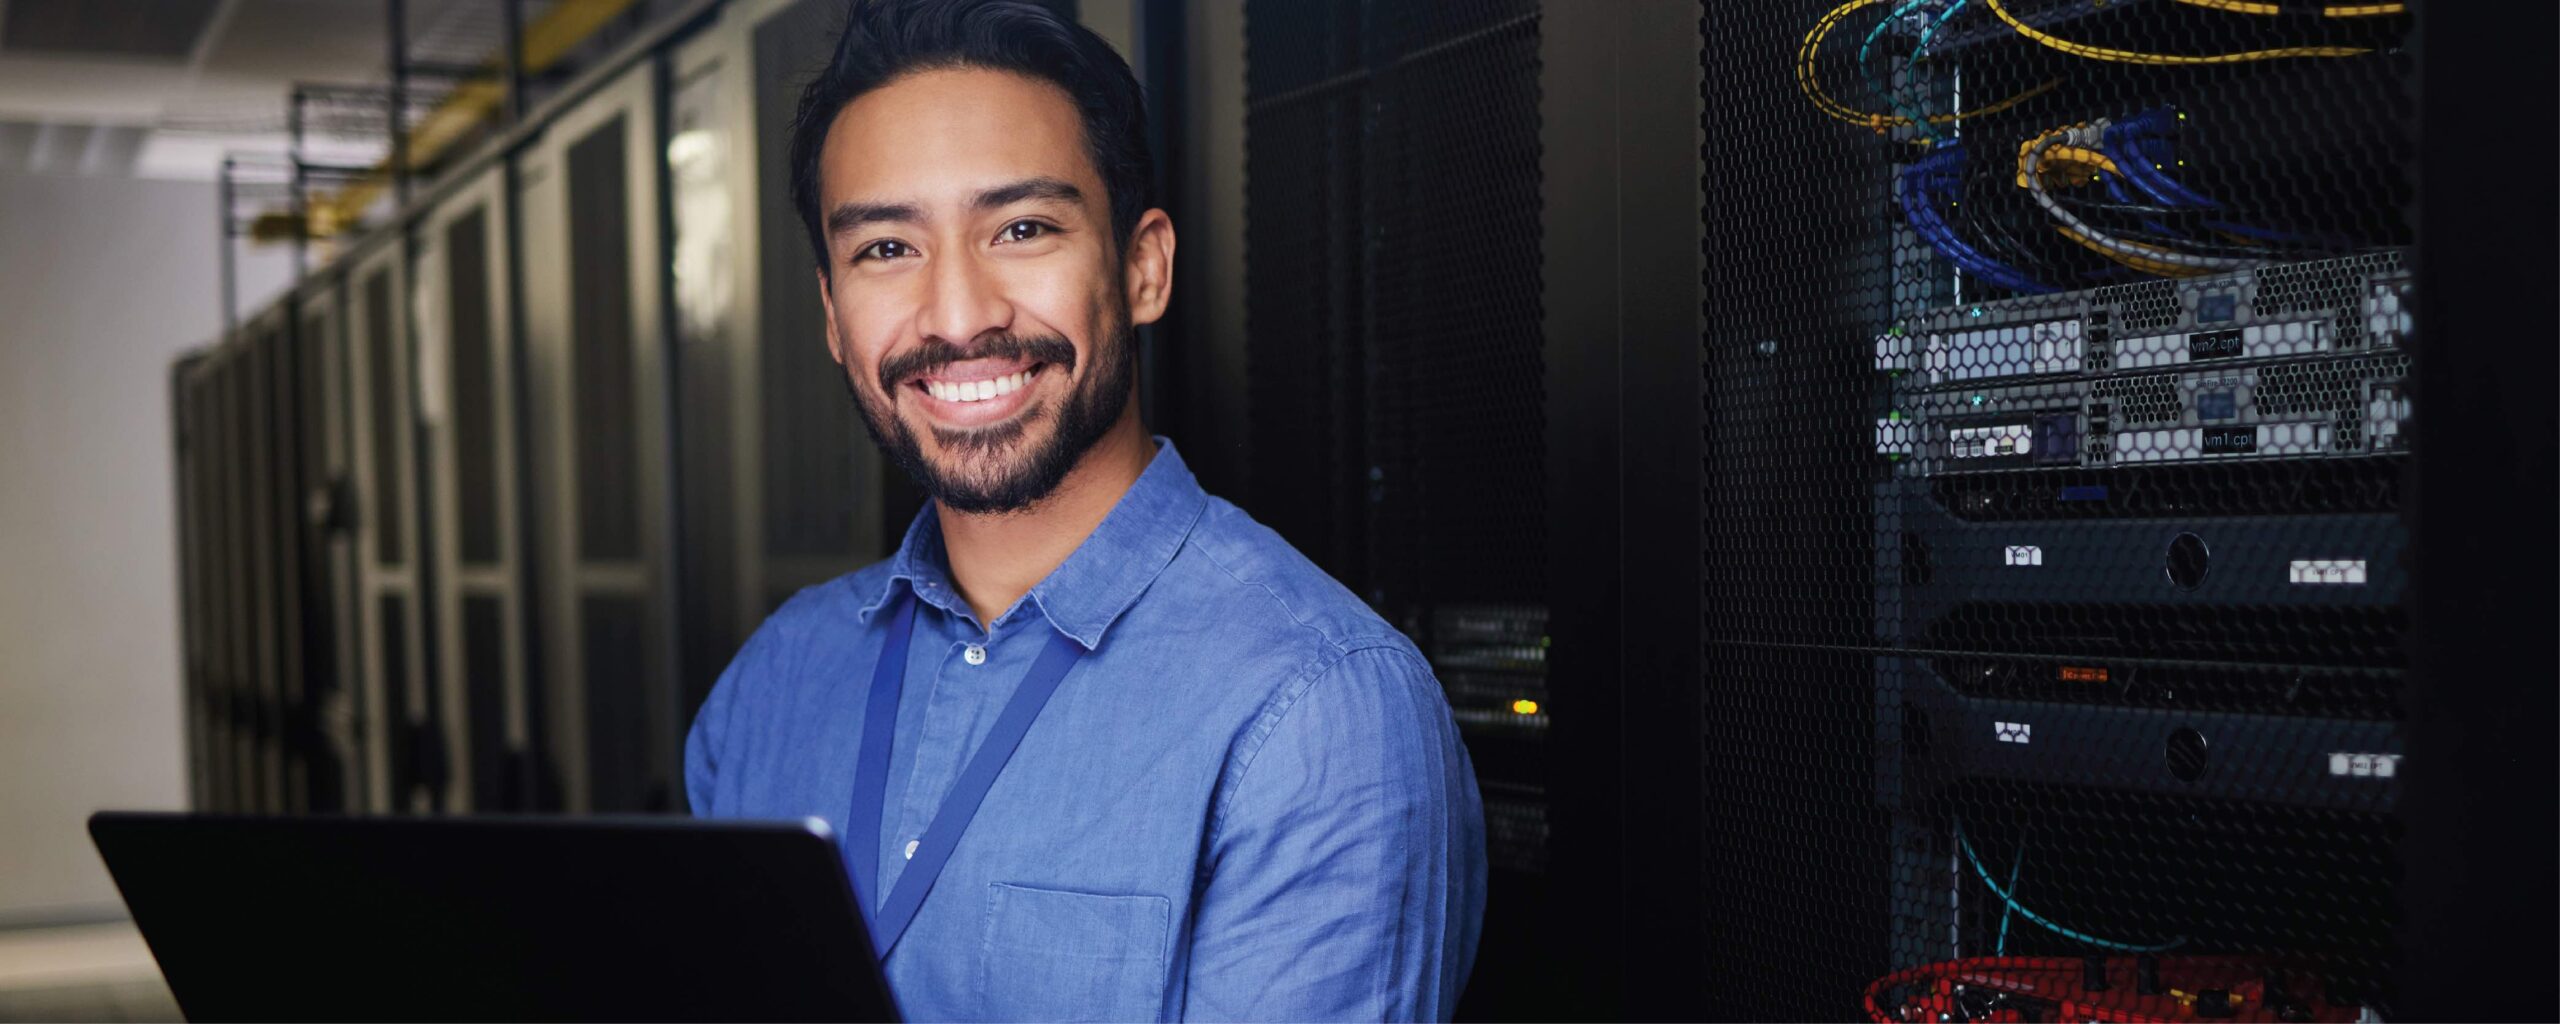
977 390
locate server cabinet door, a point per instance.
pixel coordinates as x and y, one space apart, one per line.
238 651
332 714
468 404
186 452
598 435
824 501
390 615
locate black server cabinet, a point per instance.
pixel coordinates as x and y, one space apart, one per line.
2061 432
604 721
1397 409
330 719
474 717
402 766
186 454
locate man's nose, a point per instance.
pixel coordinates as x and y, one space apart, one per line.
962 302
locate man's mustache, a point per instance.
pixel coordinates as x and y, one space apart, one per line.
907 366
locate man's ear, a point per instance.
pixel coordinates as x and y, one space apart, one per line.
1147 267
827 299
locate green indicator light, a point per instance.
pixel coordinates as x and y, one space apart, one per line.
1894 416
1977 399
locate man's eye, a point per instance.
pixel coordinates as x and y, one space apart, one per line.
1022 231
885 249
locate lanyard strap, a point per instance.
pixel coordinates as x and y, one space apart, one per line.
871 780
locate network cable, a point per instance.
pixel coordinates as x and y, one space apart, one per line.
2356 10
2165 59
2037 919
2145 258
1922 184
1893 96
2016 862
2139 147
1809 80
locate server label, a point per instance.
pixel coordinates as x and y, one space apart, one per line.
2213 344
2230 440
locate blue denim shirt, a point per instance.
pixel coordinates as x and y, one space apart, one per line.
1247 801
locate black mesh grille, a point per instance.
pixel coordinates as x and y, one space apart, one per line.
2052 566
806 418
619 728
468 316
607 421
382 391
484 680
1395 344
1396 375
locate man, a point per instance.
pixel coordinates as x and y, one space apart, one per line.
1101 746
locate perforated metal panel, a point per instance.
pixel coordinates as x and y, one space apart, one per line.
2052 555
1396 383
1392 275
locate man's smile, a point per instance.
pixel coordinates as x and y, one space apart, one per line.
978 392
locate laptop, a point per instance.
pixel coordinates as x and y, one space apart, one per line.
519 918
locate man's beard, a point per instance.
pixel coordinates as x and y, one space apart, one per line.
1006 477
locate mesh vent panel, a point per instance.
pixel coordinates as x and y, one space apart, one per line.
2052 562
1396 372
475 390
607 423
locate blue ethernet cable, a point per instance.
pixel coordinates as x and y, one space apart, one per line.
2037 919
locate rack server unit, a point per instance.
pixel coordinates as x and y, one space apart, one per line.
2062 425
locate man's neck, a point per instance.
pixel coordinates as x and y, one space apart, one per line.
995 559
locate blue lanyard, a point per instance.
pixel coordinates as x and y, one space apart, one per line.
871 775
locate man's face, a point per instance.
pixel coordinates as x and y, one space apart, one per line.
974 294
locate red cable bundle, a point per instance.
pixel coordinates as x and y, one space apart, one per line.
2118 990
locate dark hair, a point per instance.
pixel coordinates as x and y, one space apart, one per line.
885 39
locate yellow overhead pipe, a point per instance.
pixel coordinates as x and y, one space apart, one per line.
468 106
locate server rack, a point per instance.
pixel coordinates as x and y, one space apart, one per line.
335 714
2061 429
599 447
476 716
403 768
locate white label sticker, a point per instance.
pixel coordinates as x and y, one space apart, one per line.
2333 571
2012 732
2025 554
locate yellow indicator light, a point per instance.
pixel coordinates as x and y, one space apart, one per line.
1524 707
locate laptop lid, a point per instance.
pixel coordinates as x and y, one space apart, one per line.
495 918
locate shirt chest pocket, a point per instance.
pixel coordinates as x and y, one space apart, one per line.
1072 956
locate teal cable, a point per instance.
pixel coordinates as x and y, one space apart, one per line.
1893 96
1932 30
2015 863
2039 921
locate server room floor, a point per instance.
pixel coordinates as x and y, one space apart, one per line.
87 972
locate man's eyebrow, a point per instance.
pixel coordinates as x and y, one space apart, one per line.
1049 189
848 216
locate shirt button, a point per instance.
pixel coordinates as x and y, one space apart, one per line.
911 848
975 654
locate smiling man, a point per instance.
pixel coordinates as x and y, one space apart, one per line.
1101 747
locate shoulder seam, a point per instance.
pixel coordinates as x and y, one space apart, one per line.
1340 645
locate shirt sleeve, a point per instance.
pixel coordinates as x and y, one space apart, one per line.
1347 862
706 743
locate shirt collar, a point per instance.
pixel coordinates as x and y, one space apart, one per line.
1085 594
